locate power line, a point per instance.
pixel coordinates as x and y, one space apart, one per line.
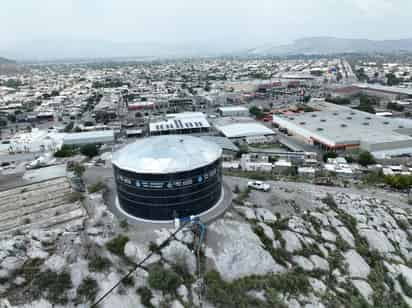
107 293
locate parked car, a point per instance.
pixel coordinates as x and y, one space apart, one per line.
259 185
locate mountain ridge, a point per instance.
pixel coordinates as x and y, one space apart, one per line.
334 45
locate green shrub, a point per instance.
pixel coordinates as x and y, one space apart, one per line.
31 268
75 196
96 187
227 295
153 247
280 255
329 201
335 260
341 244
294 282
399 181
78 169
163 279
124 224
145 296
236 190
99 264
181 268
366 158
329 155
406 288
261 234
87 290
89 150
234 294
65 151
53 286
128 281
116 245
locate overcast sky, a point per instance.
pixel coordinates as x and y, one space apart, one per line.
237 23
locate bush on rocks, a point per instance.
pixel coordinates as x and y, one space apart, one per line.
145 296
99 264
116 245
87 290
163 279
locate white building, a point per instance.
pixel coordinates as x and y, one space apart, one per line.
244 130
180 123
103 137
250 162
233 111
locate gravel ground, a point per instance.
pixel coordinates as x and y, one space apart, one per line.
292 197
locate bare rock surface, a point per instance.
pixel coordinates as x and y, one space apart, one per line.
239 252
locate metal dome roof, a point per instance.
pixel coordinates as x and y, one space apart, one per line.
166 154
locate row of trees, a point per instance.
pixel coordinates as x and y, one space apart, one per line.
367 103
395 106
89 150
364 158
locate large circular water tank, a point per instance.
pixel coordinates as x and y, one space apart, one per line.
163 177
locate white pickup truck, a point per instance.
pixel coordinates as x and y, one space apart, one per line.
258 185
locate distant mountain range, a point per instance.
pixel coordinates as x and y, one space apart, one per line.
333 45
6 61
76 50
71 49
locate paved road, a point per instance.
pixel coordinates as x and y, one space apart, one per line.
18 157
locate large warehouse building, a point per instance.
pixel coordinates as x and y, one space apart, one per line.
180 123
164 177
338 128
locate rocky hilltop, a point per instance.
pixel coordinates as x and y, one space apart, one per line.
348 250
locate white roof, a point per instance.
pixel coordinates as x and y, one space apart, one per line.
166 154
283 163
101 136
178 121
244 130
306 170
233 108
390 89
384 113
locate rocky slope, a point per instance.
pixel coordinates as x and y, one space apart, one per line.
352 250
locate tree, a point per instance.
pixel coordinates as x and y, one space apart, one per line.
163 279
366 103
392 80
65 151
69 127
11 118
360 74
87 290
399 181
306 98
395 106
78 169
256 112
366 158
243 149
338 100
329 155
89 150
